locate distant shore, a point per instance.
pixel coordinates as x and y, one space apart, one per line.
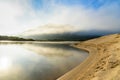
30 42
103 62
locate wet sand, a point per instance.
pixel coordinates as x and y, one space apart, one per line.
103 62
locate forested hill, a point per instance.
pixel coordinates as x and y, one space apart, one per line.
14 38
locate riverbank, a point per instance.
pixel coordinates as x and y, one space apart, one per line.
103 62
30 42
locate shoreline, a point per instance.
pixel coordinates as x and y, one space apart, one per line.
103 62
30 42
80 70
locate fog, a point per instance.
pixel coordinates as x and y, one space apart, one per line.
17 16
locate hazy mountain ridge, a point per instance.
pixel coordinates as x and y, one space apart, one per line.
49 29
63 32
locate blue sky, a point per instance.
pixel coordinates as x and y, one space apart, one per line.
95 4
82 14
37 4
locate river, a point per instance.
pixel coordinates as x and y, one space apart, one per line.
38 61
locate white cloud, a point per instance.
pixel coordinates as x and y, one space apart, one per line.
18 15
9 14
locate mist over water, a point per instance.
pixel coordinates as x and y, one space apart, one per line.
38 61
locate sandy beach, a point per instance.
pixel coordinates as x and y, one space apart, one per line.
103 62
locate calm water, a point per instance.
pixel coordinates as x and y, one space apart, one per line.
38 61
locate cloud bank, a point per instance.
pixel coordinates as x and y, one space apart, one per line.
17 16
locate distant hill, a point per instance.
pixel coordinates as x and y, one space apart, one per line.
14 38
63 33
56 33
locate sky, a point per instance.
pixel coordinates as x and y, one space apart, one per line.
17 16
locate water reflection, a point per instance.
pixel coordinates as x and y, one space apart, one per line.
5 63
38 61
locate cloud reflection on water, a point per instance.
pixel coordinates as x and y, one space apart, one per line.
38 61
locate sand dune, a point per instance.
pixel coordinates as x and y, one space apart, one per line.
103 62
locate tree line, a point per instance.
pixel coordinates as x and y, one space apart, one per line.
14 38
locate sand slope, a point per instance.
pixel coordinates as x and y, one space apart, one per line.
103 62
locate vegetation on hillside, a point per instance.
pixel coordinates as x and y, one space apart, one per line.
14 38
48 38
